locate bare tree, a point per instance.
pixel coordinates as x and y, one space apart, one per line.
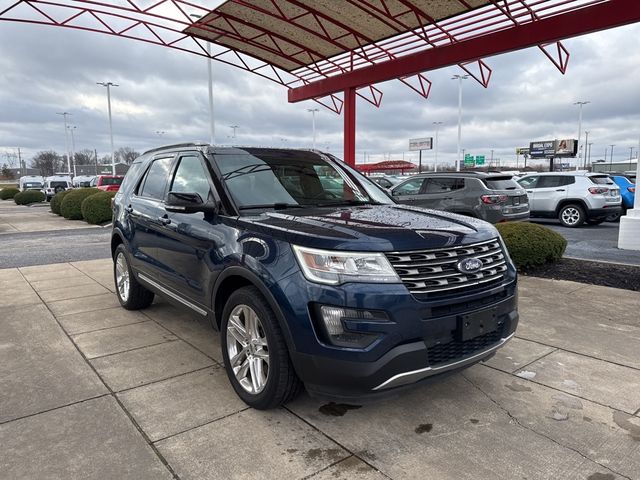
126 155
85 157
5 172
48 162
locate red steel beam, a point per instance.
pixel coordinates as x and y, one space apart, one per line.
350 126
614 13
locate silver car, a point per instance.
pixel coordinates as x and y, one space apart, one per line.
491 197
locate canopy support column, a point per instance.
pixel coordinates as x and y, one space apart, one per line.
350 126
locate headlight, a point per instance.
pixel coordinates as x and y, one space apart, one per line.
334 268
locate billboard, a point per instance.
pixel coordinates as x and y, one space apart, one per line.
421 143
553 148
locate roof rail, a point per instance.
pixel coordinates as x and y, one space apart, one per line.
177 145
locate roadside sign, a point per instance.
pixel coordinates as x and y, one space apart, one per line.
421 144
469 160
480 160
522 151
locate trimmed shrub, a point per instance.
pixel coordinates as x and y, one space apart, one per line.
56 201
530 245
8 193
71 205
29 196
97 207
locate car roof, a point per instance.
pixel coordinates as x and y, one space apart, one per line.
463 174
573 174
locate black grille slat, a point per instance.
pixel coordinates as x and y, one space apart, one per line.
434 271
457 350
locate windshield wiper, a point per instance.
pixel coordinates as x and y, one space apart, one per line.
275 206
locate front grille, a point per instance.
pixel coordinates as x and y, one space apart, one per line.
457 350
434 271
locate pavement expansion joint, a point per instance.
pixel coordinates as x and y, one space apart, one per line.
517 422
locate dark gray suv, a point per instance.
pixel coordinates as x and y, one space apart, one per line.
489 196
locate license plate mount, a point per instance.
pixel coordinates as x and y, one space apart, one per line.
475 324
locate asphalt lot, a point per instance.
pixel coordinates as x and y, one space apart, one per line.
593 242
91 391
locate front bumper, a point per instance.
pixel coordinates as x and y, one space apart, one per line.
421 345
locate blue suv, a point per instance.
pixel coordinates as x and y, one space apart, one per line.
314 276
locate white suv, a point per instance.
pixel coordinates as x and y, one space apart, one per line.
572 197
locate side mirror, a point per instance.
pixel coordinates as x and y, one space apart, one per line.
187 202
395 193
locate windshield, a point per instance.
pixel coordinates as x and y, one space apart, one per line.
32 185
111 181
57 184
292 179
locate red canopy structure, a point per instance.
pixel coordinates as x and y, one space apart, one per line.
333 51
386 166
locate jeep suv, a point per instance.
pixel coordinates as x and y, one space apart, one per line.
492 197
572 197
340 290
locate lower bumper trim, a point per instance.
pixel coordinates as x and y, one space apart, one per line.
416 375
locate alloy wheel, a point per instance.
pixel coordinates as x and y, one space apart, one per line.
248 349
122 277
570 215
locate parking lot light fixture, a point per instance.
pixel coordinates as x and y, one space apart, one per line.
73 147
212 123
113 157
611 158
580 104
459 78
437 124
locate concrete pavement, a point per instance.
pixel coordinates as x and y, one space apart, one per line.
89 390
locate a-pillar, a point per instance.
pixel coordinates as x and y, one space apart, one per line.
350 126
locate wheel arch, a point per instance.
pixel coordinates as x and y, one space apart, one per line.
571 201
232 279
116 239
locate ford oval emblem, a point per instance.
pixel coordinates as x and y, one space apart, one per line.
469 265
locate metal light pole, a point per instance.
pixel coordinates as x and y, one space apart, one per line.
234 127
589 145
313 124
212 123
113 157
437 124
459 78
586 143
66 140
580 104
73 147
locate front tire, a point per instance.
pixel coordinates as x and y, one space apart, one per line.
571 215
254 351
131 294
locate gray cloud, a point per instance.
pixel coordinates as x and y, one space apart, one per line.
44 70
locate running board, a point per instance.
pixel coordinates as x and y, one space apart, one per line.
169 293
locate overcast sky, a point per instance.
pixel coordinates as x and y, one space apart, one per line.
44 70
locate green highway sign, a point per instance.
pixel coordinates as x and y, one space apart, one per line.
480 160
468 160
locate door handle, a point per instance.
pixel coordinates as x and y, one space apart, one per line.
560 190
529 191
164 220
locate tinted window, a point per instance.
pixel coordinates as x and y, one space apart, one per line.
550 181
111 181
130 177
156 179
58 184
191 177
411 187
383 182
601 180
500 183
443 185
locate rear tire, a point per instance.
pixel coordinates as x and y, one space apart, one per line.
571 215
252 342
131 294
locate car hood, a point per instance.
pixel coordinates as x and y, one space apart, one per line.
370 228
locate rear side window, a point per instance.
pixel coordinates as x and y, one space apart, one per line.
500 183
129 178
155 182
601 180
411 187
550 181
443 185
528 182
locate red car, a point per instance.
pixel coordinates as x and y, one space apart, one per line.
108 183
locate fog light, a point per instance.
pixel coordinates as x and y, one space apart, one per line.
335 332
